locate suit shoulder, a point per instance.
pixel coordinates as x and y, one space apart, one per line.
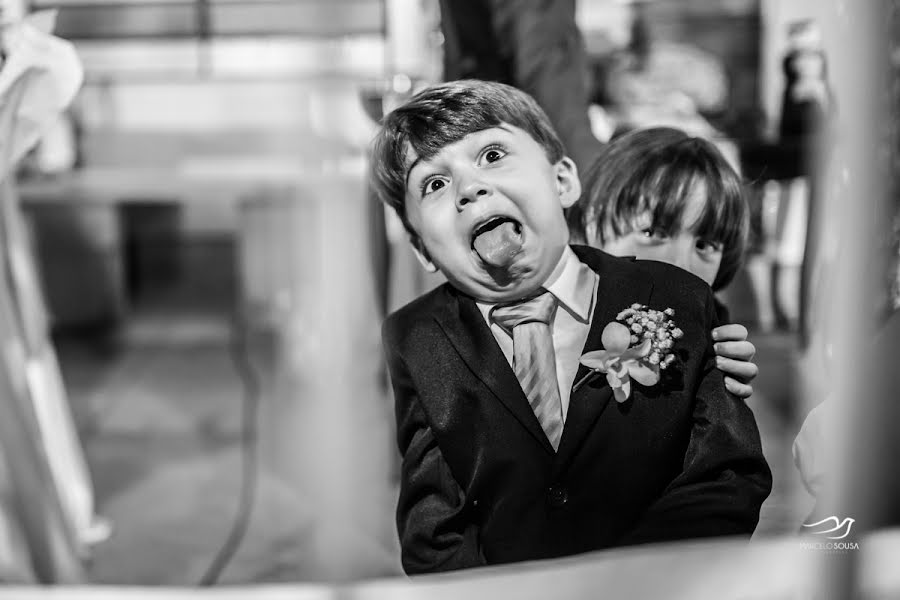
415 312
676 277
676 283
672 286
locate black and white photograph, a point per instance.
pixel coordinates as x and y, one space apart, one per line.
403 299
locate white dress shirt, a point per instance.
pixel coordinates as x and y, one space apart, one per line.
574 285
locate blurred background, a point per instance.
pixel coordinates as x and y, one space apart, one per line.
196 273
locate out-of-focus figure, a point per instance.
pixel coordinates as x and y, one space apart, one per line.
808 100
533 45
651 82
807 108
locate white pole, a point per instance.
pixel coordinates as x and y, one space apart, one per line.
854 219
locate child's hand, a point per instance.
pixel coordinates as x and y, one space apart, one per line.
734 356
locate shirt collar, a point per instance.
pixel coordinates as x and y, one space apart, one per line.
572 282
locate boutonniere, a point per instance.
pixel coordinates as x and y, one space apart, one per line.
637 345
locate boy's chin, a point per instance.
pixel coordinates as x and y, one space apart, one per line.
496 298
521 279
506 288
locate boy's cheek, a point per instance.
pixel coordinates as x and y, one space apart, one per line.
422 256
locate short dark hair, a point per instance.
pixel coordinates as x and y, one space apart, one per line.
655 170
442 115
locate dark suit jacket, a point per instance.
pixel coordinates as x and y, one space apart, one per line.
480 481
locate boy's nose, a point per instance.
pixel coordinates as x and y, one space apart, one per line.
471 192
683 253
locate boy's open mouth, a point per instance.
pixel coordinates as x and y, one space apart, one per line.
497 240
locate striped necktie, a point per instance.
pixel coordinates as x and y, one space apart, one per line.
534 360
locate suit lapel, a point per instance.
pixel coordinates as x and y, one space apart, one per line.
617 289
464 325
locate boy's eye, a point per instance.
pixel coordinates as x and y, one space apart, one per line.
432 184
493 154
649 233
707 247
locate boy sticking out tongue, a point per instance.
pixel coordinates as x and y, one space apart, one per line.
498 241
487 211
502 459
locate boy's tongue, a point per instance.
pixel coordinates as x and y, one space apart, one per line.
498 246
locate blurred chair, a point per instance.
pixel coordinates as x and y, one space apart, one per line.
49 493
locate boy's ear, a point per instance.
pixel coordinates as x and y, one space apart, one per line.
421 253
567 183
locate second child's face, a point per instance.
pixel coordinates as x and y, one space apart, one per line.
682 248
488 210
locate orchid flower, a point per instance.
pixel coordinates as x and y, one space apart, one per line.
620 363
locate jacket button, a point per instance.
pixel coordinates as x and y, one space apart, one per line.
558 496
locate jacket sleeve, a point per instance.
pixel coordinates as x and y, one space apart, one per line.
434 521
725 477
550 63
